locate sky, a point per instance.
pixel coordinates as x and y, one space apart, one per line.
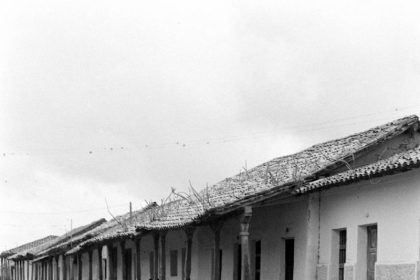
111 102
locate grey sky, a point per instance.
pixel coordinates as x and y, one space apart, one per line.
125 99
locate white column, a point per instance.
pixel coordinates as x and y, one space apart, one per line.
312 235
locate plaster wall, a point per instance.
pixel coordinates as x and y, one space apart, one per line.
272 225
392 203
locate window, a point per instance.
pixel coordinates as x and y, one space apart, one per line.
258 260
342 253
152 265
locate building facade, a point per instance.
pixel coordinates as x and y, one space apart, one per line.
346 209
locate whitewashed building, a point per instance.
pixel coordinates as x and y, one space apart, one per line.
344 209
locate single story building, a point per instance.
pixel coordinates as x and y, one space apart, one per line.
346 209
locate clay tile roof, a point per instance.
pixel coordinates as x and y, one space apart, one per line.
113 229
270 178
276 176
28 246
68 240
401 161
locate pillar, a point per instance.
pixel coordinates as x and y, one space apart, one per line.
64 267
79 266
124 268
71 267
189 232
57 269
156 254
216 228
138 259
52 268
90 264
100 275
245 250
33 273
162 271
312 235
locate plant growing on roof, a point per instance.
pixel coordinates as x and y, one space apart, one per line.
155 211
122 223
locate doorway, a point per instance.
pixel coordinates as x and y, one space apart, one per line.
289 258
372 247
128 264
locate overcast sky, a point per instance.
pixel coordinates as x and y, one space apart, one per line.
122 100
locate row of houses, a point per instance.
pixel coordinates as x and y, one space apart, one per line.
344 209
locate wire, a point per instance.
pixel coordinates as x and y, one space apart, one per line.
64 212
219 140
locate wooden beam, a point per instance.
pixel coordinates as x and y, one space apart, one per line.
162 271
138 259
189 232
216 228
245 250
156 254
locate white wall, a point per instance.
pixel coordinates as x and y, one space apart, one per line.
392 202
272 225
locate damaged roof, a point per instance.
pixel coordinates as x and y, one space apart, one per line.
284 174
399 162
120 226
273 177
28 246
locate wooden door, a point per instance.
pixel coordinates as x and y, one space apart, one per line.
342 253
372 246
289 258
